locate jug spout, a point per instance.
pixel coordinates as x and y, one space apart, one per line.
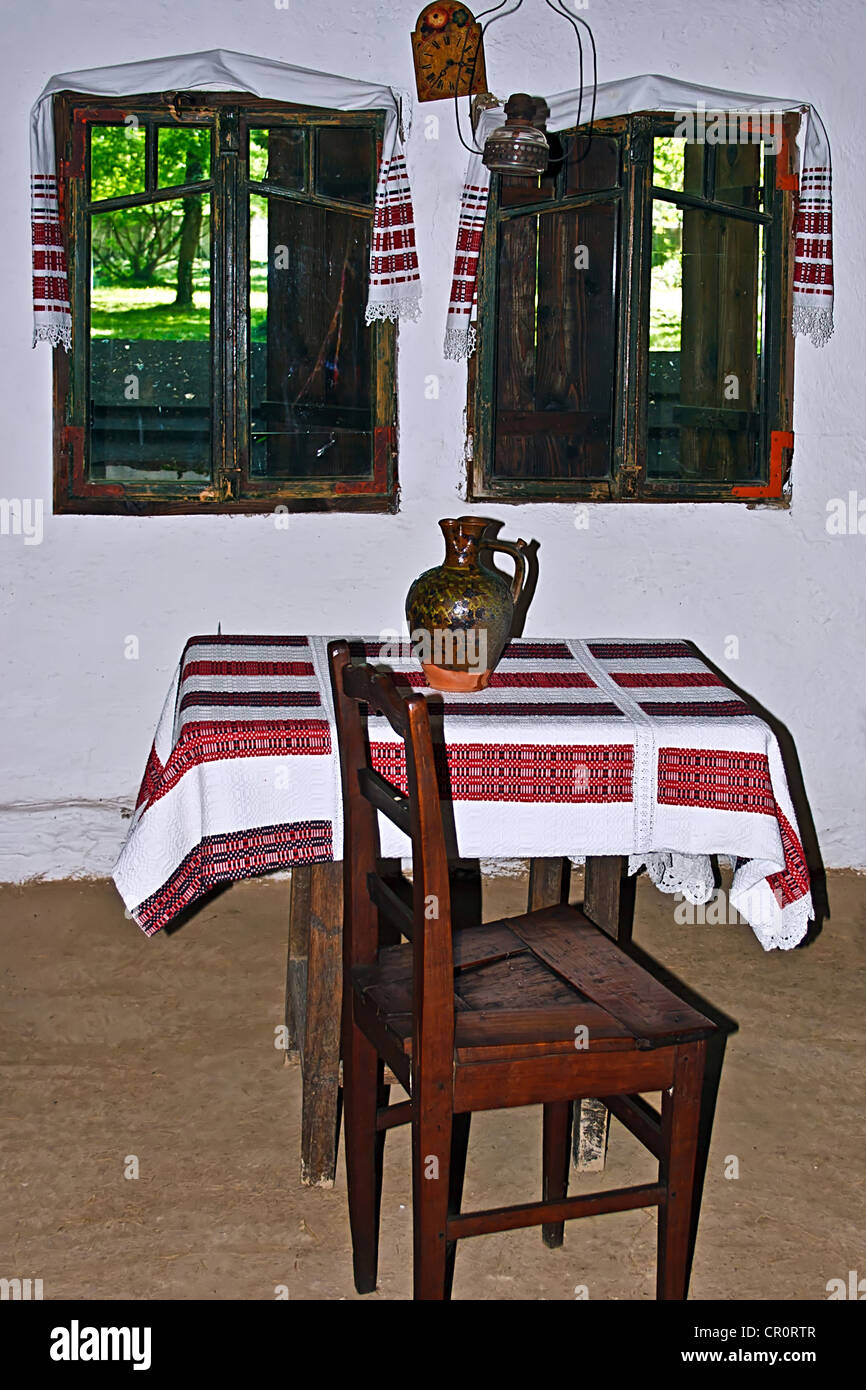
462 537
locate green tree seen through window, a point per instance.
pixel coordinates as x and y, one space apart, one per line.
151 277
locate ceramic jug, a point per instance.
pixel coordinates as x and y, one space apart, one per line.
460 613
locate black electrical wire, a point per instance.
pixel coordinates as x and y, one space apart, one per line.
473 148
558 7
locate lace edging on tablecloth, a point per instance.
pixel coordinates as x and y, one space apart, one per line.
777 926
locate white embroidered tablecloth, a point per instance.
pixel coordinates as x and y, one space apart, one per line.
576 748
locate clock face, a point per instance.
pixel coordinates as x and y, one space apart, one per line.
445 45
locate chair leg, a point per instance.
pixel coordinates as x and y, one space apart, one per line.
362 1093
556 1144
681 1110
431 1191
459 1148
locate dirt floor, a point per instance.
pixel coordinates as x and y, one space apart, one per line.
121 1054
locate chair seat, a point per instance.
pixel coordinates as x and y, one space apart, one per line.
525 984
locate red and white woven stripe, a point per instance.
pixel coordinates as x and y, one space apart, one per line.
52 320
460 332
575 748
813 255
228 792
394 275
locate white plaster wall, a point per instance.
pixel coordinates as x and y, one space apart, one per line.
78 718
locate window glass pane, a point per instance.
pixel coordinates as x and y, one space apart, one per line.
344 163
706 309
556 349
666 277
310 365
739 175
183 154
678 165
277 156
584 166
592 165
116 160
150 353
516 190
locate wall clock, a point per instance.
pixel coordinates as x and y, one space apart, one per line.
444 46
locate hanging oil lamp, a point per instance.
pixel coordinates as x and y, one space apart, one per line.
519 146
522 146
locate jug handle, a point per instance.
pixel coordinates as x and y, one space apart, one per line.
517 555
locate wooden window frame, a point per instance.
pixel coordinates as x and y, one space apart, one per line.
231 491
628 481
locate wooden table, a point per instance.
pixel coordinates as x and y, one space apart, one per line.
603 747
314 993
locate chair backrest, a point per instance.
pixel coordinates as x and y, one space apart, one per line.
419 814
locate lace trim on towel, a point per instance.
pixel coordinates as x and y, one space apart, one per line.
460 343
397 310
813 322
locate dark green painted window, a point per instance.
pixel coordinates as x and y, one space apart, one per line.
218 256
634 320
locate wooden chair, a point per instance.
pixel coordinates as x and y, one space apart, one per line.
540 1008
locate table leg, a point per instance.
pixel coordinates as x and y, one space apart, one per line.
549 881
548 885
608 900
313 1007
296 965
608 895
321 1041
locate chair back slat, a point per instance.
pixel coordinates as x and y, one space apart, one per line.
366 791
386 798
393 906
377 690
